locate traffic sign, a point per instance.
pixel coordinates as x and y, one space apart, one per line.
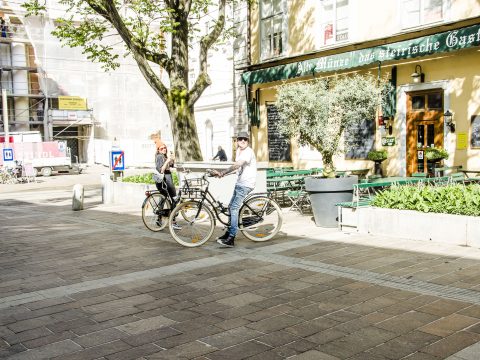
8 154
118 161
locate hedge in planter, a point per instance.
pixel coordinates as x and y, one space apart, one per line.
147 179
455 199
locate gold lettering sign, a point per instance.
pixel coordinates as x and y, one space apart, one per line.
72 103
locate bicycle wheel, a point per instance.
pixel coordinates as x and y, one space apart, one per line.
154 218
189 226
260 218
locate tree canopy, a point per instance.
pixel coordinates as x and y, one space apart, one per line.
157 34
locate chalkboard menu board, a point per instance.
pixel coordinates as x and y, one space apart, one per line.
359 139
475 132
278 144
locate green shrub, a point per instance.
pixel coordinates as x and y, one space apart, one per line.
451 199
147 178
377 155
436 154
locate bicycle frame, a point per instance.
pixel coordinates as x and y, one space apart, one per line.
217 209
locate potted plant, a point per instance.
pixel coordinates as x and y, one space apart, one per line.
434 156
377 156
316 113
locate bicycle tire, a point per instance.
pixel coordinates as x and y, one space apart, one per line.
264 228
188 228
150 212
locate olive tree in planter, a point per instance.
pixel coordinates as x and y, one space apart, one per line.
316 113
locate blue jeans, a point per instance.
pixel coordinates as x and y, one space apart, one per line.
239 194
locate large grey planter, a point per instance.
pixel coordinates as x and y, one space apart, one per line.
325 193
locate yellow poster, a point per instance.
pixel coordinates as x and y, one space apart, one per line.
462 141
72 103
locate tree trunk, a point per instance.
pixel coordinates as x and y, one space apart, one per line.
184 131
328 168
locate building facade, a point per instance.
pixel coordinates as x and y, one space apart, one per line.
429 49
120 108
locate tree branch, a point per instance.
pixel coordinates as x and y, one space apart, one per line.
108 11
203 80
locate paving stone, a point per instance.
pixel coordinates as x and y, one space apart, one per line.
29 324
189 350
406 322
197 322
70 325
296 347
443 307
231 337
241 351
404 345
190 336
134 353
241 300
116 313
26 335
314 355
49 351
100 337
105 325
50 339
449 324
96 351
120 303
311 327
274 323
144 325
451 344
150 336
357 342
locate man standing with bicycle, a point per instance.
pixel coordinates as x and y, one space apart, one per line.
246 167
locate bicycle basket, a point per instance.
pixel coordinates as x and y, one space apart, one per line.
193 188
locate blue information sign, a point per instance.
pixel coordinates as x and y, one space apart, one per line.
118 161
7 154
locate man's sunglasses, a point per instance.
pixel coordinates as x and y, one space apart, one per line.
242 139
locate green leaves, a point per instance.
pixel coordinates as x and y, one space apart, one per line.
377 155
436 154
148 179
317 112
451 199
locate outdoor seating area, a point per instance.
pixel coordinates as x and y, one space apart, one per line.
287 185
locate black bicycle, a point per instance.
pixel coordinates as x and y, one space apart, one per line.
193 220
156 208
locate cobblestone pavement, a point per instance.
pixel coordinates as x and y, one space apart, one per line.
95 284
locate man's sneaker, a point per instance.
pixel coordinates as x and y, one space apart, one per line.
228 242
175 226
224 236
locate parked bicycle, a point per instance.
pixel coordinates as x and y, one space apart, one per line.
260 217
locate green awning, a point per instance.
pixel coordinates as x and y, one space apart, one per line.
447 41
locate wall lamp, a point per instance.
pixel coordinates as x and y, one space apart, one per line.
448 118
418 76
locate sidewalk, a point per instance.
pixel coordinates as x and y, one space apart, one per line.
96 284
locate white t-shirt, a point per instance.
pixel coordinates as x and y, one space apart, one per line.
247 174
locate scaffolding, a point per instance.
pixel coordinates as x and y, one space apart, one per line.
32 98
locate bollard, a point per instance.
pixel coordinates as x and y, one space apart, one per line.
77 200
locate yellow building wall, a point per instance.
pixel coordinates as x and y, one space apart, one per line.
459 68
370 20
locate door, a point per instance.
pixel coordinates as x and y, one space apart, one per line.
424 128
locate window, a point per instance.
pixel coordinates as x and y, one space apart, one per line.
334 21
272 28
421 12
